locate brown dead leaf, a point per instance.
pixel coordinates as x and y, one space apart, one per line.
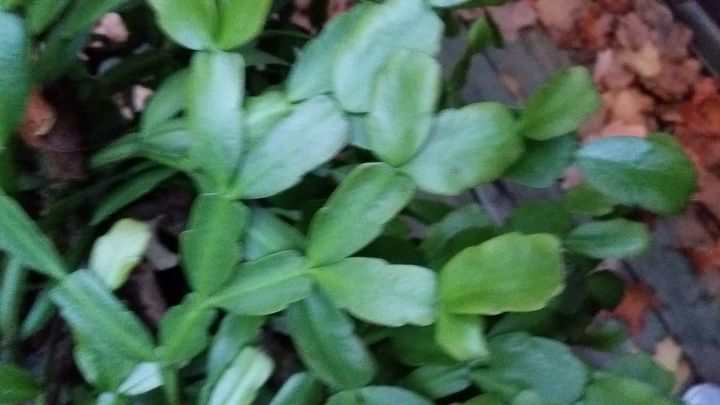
559 16
629 106
594 25
40 118
675 80
637 301
610 72
616 6
632 32
644 61
513 17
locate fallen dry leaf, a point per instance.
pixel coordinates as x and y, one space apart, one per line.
629 106
644 61
637 300
513 17
610 72
559 16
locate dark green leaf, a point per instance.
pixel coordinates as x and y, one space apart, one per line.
183 331
612 389
299 389
265 286
41 13
584 199
355 214
440 233
216 89
540 217
115 254
378 395
87 305
652 173
522 362
268 234
14 73
613 239
21 238
313 134
210 246
407 88
17 385
437 381
191 24
643 368
101 366
129 192
327 344
240 21
378 292
166 103
241 382
543 162
394 24
560 106
83 14
509 273
415 346
461 336
467 147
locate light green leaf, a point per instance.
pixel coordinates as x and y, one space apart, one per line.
129 192
378 395
380 293
216 90
234 333
183 331
268 234
17 385
166 103
327 344
210 246
311 74
41 13
299 389
584 199
653 173
355 214
438 381
89 307
392 25
103 367
14 73
240 21
313 134
21 238
560 106
607 388
509 273
467 147
115 254
612 239
241 382
522 362
543 162
145 377
406 93
262 114
189 23
461 336
265 286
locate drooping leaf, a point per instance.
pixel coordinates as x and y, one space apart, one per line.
378 395
268 234
89 307
191 24
130 192
216 87
607 388
299 389
461 336
210 246
509 273
355 214
265 286
612 239
311 135
326 342
311 74
14 73
17 385
183 331
239 21
395 24
116 253
543 162
167 101
561 106
378 292
406 92
467 147
21 238
241 382
521 362
653 173
145 377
